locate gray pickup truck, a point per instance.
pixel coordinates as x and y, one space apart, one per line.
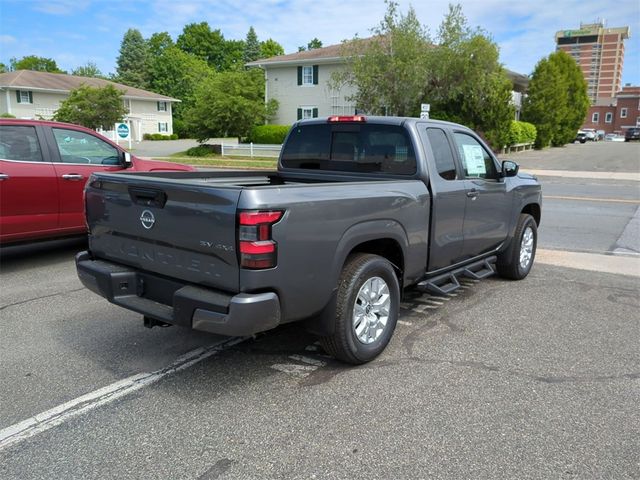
360 209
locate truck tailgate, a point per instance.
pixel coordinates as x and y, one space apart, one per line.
162 226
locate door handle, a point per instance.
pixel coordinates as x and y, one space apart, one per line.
472 194
3 176
73 176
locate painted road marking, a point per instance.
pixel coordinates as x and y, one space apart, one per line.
621 265
592 199
58 415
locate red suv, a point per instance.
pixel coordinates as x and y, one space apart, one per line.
43 170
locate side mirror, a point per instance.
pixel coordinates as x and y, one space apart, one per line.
509 168
126 160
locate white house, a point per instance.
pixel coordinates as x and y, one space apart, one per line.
35 95
299 82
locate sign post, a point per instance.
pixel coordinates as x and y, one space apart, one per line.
424 110
123 131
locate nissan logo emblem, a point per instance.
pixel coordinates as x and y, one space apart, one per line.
147 219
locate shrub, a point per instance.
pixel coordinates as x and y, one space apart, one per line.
521 132
270 134
201 151
7 115
173 136
146 136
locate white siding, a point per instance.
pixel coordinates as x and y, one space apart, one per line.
282 84
44 105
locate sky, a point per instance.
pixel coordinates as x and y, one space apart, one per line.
73 32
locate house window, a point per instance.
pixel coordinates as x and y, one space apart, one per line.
163 127
162 106
608 117
595 118
127 105
623 113
307 112
308 75
24 96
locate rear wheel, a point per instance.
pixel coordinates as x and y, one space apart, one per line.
515 262
367 309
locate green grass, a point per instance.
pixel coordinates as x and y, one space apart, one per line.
224 162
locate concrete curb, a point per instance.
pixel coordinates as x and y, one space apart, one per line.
632 176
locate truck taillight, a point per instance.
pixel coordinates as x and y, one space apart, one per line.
257 248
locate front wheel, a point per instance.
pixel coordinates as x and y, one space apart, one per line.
516 262
367 309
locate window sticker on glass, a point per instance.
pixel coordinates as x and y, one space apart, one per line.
474 160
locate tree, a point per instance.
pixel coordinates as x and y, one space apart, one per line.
3 68
92 107
233 53
577 106
313 44
33 62
133 61
389 69
158 43
88 70
229 104
466 82
546 101
209 45
251 47
177 74
270 48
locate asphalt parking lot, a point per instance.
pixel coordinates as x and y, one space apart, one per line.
531 379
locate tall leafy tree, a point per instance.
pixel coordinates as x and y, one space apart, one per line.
233 55
389 69
209 45
270 48
229 104
466 82
159 42
251 46
133 61
90 69
33 62
577 106
178 74
546 101
3 68
315 43
92 107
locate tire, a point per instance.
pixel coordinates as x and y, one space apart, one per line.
516 261
583 140
352 342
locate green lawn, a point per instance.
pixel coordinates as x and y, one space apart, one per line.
224 162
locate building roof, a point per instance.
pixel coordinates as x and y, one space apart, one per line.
334 54
61 82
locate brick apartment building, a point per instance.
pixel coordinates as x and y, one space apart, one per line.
622 113
599 51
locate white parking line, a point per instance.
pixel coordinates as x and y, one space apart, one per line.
62 413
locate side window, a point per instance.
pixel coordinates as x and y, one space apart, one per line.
80 147
19 143
476 161
442 153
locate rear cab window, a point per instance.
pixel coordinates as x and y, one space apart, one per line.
350 147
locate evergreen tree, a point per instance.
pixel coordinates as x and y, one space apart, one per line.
251 47
577 106
546 101
133 61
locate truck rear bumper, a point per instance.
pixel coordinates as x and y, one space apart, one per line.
178 303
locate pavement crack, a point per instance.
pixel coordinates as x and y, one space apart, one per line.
40 298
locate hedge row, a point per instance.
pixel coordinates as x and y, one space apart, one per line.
271 134
159 136
521 132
